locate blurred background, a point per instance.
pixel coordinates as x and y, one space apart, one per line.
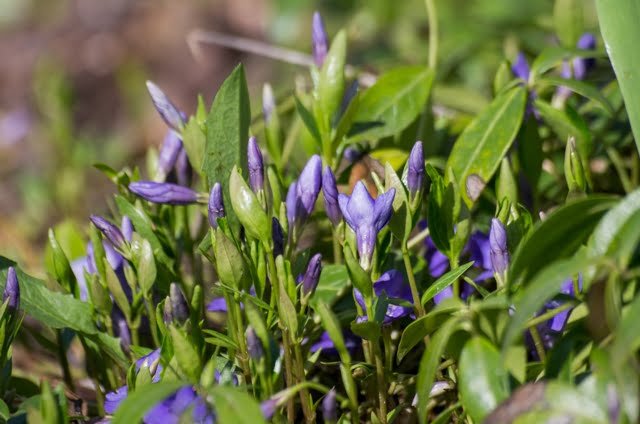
72 76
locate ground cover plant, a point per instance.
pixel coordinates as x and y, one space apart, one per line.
409 263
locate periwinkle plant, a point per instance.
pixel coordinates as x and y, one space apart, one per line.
261 307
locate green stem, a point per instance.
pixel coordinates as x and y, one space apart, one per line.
418 238
537 341
64 362
456 284
152 321
432 16
417 304
374 345
288 374
337 247
305 398
549 314
616 160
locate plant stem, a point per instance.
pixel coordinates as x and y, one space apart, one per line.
417 304
337 247
418 238
537 341
374 345
152 321
288 374
64 362
549 314
432 16
305 398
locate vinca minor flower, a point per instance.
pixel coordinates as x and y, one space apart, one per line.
311 276
11 293
329 407
320 40
366 217
330 191
415 173
215 208
255 163
392 284
302 194
498 246
165 193
110 231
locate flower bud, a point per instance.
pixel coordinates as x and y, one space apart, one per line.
573 168
498 246
312 275
277 233
171 147
256 165
125 336
520 67
582 65
268 103
165 193
309 184
167 312
179 308
268 408
11 293
127 228
170 114
415 173
254 346
110 231
248 209
216 205
330 190
319 39
329 407
184 171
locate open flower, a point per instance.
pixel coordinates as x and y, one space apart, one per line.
392 284
366 217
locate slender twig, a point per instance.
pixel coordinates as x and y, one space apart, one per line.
417 304
432 16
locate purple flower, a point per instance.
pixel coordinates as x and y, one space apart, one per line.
277 234
366 217
216 205
392 284
302 194
312 275
520 67
498 246
184 172
415 173
166 193
329 407
171 148
124 334
11 293
268 407
580 65
320 42
255 163
110 231
179 308
172 409
170 114
112 399
219 304
254 345
330 190
351 342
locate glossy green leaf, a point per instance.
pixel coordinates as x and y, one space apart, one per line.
308 120
627 337
53 309
230 264
417 330
185 353
442 198
136 405
227 133
248 209
620 30
568 21
483 380
235 406
558 236
429 365
580 87
395 100
331 82
616 234
194 140
543 287
484 142
334 280
445 281
146 265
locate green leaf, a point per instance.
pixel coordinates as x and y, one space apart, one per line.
116 290
367 330
137 404
145 227
445 281
194 141
53 309
230 264
186 354
441 206
620 30
227 133
248 209
567 400
234 406
146 265
308 120
543 287
616 234
396 99
582 88
334 280
553 56
484 142
219 339
423 326
4 410
558 236
483 380
430 362
110 346
627 337
568 21
331 82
